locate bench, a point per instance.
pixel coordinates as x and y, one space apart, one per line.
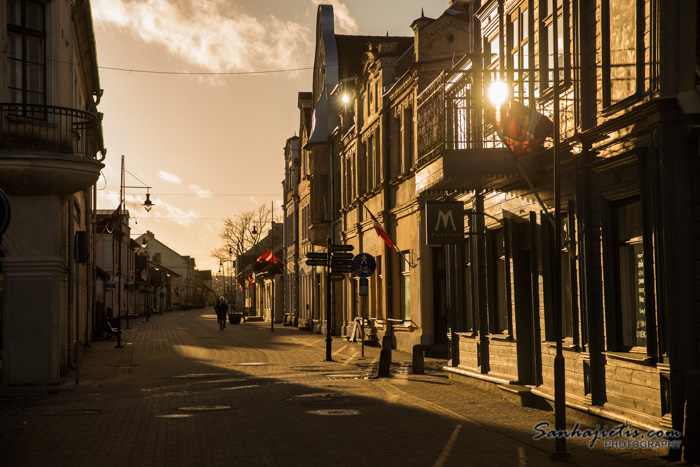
110 329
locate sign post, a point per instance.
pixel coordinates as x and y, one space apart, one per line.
337 261
363 266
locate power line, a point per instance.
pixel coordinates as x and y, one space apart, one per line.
156 72
202 195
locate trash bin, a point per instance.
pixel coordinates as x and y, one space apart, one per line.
234 318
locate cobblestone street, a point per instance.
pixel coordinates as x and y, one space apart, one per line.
182 392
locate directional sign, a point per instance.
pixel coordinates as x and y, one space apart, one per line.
317 262
316 255
364 265
341 268
341 262
342 256
342 247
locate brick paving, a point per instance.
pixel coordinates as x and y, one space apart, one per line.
180 392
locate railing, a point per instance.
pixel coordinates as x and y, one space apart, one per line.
450 117
49 129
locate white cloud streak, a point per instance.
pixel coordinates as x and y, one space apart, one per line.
212 34
168 177
194 188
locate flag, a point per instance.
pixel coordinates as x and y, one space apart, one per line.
111 219
265 257
522 129
269 257
250 279
381 232
240 286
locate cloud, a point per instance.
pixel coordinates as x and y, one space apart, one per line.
168 177
166 212
344 23
212 34
194 188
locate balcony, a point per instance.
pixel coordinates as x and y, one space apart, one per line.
456 148
49 150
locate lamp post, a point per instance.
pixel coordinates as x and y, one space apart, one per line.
559 364
148 205
498 94
272 249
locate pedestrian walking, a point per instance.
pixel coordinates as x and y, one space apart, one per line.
221 309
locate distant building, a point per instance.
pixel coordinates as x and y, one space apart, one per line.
184 266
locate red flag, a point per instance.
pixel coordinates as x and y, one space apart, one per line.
265 257
522 129
381 232
268 257
250 279
239 284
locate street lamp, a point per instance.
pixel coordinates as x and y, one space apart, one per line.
148 205
498 93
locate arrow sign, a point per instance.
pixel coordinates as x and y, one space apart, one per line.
341 269
316 255
342 247
342 255
316 262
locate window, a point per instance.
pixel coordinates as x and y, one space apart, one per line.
498 306
369 163
468 296
629 270
563 54
405 286
407 129
569 283
375 291
26 57
620 58
519 56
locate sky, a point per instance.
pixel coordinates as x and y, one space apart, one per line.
199 99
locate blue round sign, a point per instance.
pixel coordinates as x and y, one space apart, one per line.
363 265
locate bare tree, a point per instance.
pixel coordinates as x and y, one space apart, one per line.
243 231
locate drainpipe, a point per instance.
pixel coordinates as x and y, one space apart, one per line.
71 278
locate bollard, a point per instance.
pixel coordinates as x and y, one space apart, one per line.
385 356
418 367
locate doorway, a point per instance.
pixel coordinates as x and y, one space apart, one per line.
439 296
523 304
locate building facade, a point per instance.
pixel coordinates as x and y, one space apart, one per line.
51 150
616 228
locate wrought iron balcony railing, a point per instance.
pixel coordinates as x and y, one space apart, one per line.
49 129
450 117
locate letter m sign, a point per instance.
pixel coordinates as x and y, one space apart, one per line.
444 222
